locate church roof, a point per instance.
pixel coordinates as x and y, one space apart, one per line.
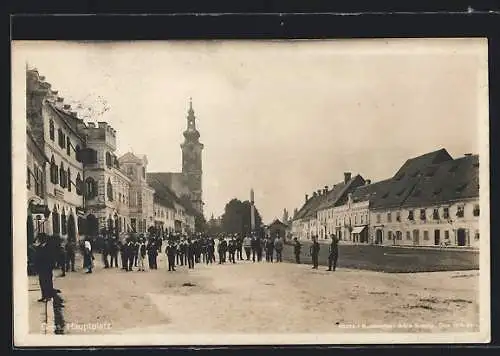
130 157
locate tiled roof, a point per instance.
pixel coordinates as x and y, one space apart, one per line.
448 181
370 191
337 195
399 188
163 180
163 195
277 222
309 207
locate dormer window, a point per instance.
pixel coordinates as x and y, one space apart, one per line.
435 214
422 214
410 215
446 213
460 211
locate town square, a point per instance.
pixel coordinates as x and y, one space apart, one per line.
209 188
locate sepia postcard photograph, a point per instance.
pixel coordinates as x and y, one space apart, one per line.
250 192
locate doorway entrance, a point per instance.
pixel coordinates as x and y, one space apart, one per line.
461 237
378 237
92 226
437 237
416 237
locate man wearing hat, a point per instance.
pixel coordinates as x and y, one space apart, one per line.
333 254
296 249
44 263
171 252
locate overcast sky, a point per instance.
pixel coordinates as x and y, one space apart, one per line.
285 118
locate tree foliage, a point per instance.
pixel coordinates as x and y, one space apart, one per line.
237 218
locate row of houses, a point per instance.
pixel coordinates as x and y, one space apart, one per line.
76 183
432 200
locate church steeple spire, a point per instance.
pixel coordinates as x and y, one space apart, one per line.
191 133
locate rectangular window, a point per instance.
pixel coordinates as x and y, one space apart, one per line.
446 213
389 217
426 235
389 235
460 211
410 215
68 146
476 235
408 235
398 216
378 218
39 182
446 235
422 214
435 214
476 210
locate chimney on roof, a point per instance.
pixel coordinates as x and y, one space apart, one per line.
347 177
468 154
325 190
315 194
319 191
66 106
368 181
307 198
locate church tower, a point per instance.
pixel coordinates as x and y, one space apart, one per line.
191 160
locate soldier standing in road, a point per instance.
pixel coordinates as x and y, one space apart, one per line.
254 244
296 249
70 256
247 245
333 254
232 250
124 254
314 250
152 250
171 252
278 246
239 247
191 253
113 251
260 246
211 250
106 251
221 249
270 249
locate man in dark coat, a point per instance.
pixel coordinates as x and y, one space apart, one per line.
314 249
270 249
232 250
191 253
124 253
70 256
239 247
171 252
113 250
333 254
44 264
222 249
152 250
259 249
106 251
296 249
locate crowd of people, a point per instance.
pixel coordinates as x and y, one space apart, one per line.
180 249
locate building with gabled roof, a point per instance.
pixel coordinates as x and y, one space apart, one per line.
440 206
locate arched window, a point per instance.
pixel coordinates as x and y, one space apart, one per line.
68 146
61 139
77 153
62 176
64 229
51 130
108 160
69 180
109 190
55 222
90 187
79 184
54 171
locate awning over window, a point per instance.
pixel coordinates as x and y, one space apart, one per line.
358 229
